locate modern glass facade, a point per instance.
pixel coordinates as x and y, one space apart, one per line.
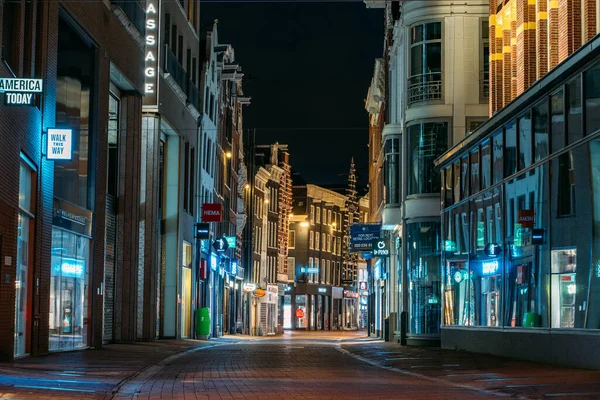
521 238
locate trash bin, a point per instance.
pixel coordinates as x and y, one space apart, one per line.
202 323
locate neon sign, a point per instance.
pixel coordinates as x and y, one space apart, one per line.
490 267
151 57
310 270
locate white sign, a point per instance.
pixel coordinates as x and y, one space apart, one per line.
151 57
21 85
272 292
18 99
59 144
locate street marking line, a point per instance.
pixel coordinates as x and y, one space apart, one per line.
54 388
428 378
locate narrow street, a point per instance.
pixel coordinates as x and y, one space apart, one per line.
309 365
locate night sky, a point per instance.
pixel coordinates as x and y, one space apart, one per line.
308 66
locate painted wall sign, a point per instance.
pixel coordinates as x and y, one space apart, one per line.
59 144
151 55
21 85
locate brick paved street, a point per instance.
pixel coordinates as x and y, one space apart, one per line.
329 365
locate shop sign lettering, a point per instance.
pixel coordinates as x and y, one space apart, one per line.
59 144
151 57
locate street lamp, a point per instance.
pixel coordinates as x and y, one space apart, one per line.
228 154
247 186
304 224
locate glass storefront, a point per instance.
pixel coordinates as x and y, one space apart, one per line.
301 312
186 291
69 292
525 252
23 276
423 262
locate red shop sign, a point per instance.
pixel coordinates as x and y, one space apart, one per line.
212 212
299 313
526 218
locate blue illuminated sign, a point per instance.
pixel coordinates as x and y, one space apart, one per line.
231 241
310 270
490 267
234 267
213 262
70 268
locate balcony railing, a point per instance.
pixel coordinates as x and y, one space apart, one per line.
135 13
484 84
425 87
173 67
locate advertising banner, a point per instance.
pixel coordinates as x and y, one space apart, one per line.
362 236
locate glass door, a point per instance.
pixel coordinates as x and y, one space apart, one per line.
564 288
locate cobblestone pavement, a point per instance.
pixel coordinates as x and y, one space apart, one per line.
328 365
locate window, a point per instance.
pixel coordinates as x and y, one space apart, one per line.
566 184
484 84
323 242
324 219
557 126
311 240
473 124
540 124
427 141
329 217
312 215
318 213
510 149
474 172
456 181
525 150
592 99
291 239
186 178
317 237
464 177
448 197
486 165
425 82
392 173
574 117
497 149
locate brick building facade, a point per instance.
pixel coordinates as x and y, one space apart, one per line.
530 37
52 299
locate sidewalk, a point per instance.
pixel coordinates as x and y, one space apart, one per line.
496 375
88 374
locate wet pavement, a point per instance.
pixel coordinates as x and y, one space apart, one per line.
297 365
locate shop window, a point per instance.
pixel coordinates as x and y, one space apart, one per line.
486 165
425 82
73 180
69 291
474 171
592 99
557 124
510 149
525 141
392 177
464 177
566 185
497 159
574 117
24 258
540 123
564 288
301 313
449 198
423 260
593 310
526 261
456 182
427 141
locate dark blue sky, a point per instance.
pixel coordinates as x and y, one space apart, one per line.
309 66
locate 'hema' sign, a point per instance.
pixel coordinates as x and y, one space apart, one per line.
59 144
151 58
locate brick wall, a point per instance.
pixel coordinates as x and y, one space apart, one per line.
536 36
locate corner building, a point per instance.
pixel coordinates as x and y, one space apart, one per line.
169 169
521 239
64 279
436 92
